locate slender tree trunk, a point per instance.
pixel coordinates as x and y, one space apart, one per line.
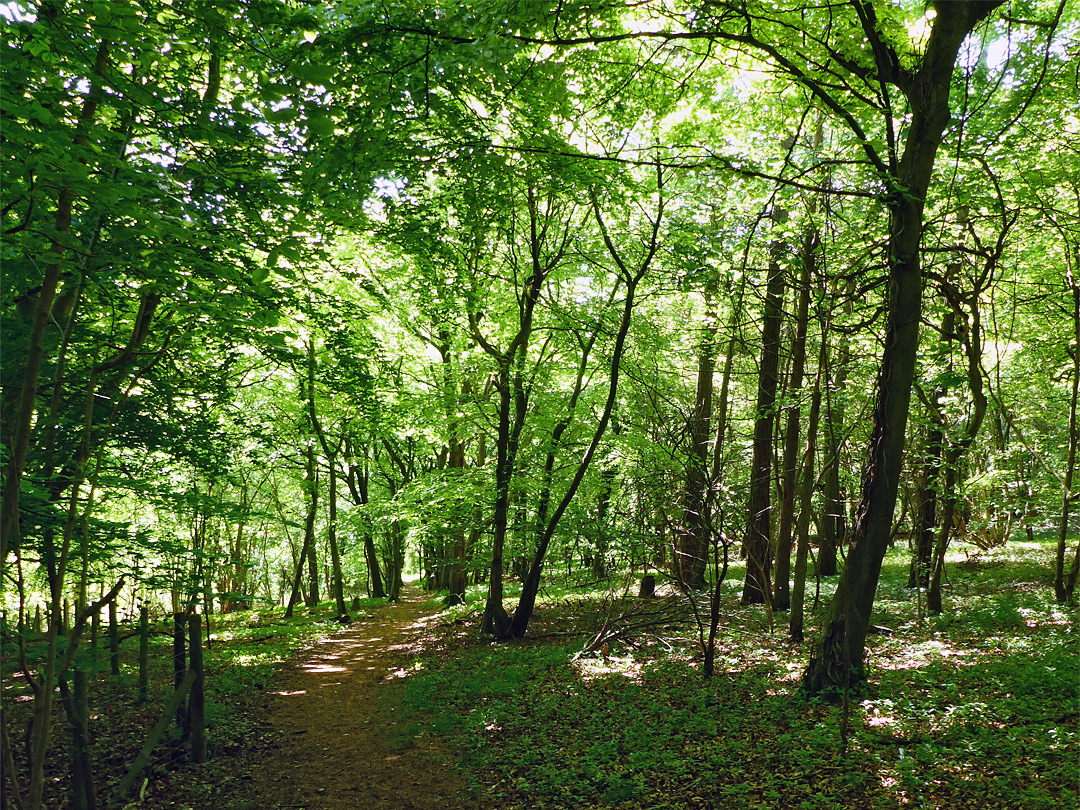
338 584
531 586
496 621
1065 584
790 470
926 500
973 348
806 495
311 486
43 312
756 588
837 660
357 480
926 503
944 531
692 554
455 564
834 516
397 556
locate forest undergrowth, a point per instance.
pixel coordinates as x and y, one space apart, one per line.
605 705
976 707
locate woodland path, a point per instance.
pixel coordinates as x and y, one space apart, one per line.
335 738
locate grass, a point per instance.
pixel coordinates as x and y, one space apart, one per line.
974 708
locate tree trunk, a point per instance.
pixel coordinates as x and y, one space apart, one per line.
837 660
806 494
1065 584
357 481
692 553
943 533
756 588
531 586
834 516
926 500
311 487
926 504
43 312
496 621
455 576
790 469
338 584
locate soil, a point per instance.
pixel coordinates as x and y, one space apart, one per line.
333 735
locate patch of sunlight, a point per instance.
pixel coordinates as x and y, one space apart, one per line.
405 671
254 659
323 669
795 671
878 714
592 668
921 653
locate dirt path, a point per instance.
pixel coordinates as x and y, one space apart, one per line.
336 740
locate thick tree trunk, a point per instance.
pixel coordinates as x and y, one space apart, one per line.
756 588
838 657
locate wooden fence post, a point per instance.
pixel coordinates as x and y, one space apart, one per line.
197 700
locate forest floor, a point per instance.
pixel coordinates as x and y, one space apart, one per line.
328 730
603 705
